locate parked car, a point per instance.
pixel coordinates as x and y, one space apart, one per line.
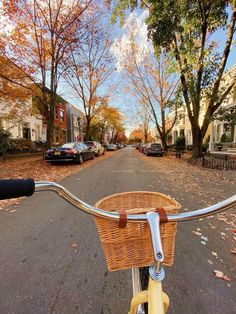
111 147
74 151
141 147
119 146
153 149
96 147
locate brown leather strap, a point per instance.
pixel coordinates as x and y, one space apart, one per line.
123 218
162 213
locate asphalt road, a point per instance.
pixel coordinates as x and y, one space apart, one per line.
51 259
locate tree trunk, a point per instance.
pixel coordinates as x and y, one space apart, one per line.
164 142
197 142
49 133
87 130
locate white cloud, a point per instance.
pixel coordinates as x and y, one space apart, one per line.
135 26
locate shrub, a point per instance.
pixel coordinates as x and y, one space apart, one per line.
180 143
5 141
23 145
224 138
205 147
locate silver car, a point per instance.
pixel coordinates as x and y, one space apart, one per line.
153 149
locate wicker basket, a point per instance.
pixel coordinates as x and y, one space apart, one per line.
132 246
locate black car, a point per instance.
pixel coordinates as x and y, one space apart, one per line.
153 149
74 151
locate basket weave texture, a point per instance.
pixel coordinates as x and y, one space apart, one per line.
132 246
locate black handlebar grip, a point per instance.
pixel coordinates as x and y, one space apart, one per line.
12 188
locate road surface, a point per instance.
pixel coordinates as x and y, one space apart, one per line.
51 259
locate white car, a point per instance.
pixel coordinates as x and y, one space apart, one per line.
111 147
96 147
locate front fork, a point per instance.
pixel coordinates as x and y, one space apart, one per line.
158 301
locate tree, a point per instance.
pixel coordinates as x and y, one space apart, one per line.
228 115
144 118
153 83
89 67
44 30
136 136
185 29
107 118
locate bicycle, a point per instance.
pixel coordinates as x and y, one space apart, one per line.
157 300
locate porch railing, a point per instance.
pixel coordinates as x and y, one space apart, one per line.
212 163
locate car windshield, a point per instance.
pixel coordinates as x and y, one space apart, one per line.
156 145
68 145
89 143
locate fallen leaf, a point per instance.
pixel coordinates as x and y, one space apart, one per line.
197 233
204 238
233 251
214 253
226 278
220 274
210 262
74 245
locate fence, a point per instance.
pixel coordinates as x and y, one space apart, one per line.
209 162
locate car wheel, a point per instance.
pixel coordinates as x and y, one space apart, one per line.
92 156
81 159
146 153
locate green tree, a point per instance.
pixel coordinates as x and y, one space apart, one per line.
185 29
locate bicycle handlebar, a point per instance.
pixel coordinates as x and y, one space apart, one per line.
72 199
11 188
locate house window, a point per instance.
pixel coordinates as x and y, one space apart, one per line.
61 115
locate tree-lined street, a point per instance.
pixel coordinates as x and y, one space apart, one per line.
52 261
85 101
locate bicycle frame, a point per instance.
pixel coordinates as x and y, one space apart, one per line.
158 301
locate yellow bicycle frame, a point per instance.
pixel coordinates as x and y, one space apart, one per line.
158 301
